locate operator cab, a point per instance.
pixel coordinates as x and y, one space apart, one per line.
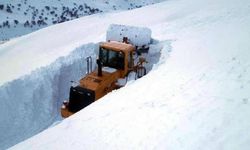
117 55
112 59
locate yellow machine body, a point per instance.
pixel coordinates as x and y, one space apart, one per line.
117 61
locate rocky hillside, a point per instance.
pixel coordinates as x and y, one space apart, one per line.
24 16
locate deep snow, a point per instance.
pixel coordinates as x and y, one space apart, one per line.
31 103
196 97
137 36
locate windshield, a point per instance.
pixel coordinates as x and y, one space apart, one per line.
113 59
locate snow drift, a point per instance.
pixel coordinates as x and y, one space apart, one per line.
137 36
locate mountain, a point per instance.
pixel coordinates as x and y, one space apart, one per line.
20 17
195 97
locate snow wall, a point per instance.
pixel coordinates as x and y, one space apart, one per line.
137 36
31 104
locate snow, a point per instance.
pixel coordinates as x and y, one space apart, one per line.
33 101
38 49
108 69
137 36
196 96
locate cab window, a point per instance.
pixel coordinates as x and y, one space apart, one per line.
113 59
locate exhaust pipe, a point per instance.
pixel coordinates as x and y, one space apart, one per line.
89 64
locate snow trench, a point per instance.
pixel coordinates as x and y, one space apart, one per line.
32 103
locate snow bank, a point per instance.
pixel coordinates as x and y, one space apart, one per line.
32 103
137 36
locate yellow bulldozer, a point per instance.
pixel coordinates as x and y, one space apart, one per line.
116 60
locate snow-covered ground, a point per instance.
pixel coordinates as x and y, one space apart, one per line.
196 97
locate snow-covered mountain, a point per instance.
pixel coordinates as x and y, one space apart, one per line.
19 17
196 96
